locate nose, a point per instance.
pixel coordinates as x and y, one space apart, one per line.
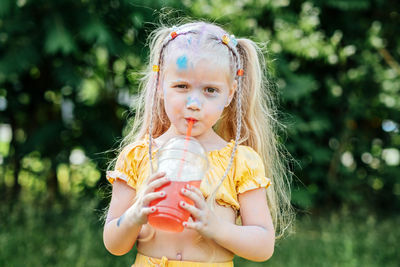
193 102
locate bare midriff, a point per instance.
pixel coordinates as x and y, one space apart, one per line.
186 245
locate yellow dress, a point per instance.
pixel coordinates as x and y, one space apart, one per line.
144 261
247 173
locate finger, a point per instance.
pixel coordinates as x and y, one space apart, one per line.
198 200
195 212
148 210
155 176
157 183
152 196
193 225
196 190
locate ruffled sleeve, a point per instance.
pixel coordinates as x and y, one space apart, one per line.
126 167
250 172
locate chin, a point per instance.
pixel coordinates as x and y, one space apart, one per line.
194 134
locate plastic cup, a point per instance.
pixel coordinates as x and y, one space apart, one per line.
185 162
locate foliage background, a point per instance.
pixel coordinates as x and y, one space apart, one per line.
68 80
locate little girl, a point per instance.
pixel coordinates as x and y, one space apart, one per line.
199 72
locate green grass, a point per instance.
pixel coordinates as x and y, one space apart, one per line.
31 235
338 240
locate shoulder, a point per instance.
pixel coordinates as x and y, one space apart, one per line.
244 155
134 151
250 170
247 155
248 163
136 145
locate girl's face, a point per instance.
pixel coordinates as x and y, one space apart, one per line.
196 87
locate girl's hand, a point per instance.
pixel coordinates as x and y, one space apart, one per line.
205 221
138 212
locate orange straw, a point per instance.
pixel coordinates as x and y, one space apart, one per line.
188 134
189 130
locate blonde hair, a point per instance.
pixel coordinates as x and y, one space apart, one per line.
254 104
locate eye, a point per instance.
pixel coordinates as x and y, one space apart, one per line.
181 86
211 90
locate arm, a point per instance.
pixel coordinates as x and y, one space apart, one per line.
119 237
254 240
126 216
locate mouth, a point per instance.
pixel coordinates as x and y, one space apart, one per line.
191 119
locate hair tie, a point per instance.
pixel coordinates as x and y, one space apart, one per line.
156 68
173 35
233 40
229 40
240 72
225 39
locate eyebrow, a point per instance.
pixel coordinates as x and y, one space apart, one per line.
177 81
209 84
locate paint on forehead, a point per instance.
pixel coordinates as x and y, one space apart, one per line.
182 62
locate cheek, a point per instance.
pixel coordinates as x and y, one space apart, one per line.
173 104
219 105
215 109
214 112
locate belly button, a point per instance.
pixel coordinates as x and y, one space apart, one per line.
179 256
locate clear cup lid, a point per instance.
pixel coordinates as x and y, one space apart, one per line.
183 159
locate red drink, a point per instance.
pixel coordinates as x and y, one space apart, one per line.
184 161
169 215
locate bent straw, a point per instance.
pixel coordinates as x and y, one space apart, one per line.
188 134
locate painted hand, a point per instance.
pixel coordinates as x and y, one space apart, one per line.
205 220
138 212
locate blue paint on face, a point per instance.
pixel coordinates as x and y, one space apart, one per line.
193 100
182 62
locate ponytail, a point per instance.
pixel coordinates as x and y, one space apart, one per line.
259 130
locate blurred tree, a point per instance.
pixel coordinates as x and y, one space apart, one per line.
66 70
335 64
68 77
